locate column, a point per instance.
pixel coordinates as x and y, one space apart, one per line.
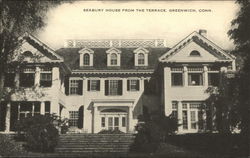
55 77
42 108
7 118
124 86
37 77
94 123
18 112
185 74
142 84
130 118
17 78
179 115
188 116
205 76
33 109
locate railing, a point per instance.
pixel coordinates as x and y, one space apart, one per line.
118 43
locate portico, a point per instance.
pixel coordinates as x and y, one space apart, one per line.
112 115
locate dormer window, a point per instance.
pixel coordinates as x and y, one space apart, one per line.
195 53
86 57
141 57
113 57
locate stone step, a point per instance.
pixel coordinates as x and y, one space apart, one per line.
72 150
94 145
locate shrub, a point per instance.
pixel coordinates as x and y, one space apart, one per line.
8 147
115 131
152 132
40 132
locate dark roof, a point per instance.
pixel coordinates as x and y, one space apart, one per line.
71 58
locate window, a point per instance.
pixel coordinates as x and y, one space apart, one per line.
113 59
113 87
174 110
45 79
116 123
75 87
47 108
195 53
141 59
27 79
123 121
103 122
184 119
9 80
86 59
177 79
93 85
133 85
213 79
193 119
195 79
73 118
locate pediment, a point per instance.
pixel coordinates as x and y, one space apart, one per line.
113 50
209 52
32 50
86 50
141 49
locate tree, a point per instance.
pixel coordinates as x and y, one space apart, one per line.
18 17
240 33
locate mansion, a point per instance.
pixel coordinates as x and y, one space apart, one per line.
109 84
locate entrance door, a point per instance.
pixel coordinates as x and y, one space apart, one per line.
114 122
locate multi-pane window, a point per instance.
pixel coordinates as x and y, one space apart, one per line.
193 119
73 118
47 108
27 77
141 59
93 85
177 79
75 87
45 79
174 110
133 85
195 79
103 121
113 87
86 59
213 79
184 120
113 59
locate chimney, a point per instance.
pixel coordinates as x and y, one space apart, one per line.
203 32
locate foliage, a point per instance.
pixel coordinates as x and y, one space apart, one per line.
40 131
18 17
9 147
115 131
152 132
224 99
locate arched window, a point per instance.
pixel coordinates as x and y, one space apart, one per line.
27 54
86 59
141 59
113 59
195 53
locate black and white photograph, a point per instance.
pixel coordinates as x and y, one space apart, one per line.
125 79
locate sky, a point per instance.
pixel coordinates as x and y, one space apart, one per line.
126 20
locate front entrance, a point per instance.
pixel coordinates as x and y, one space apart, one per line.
114 121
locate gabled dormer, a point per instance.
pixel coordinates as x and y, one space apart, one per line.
113 57
86 57
141 57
